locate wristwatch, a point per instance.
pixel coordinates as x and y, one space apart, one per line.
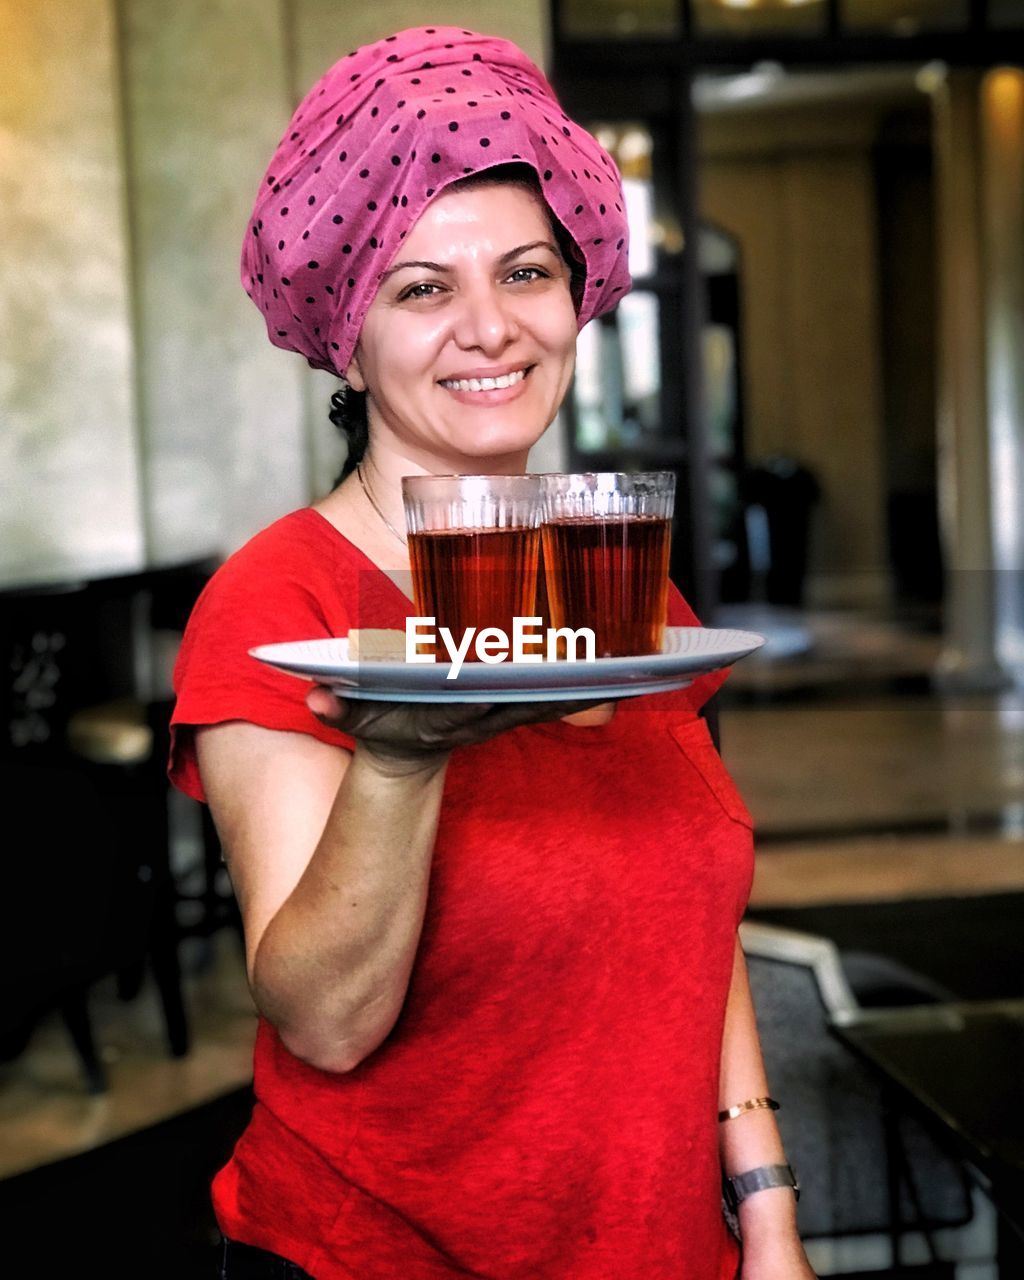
768 1175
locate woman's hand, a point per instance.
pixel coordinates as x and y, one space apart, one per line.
402 734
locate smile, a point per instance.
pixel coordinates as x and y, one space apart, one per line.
486 384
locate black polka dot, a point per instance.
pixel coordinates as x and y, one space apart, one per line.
415 80
284 212
401 235
396 160
420 114
394 201
392 57
280 244
485 142
413 156
471 104
579 208
271 180
586 173
293 137
371 205
601 207
354 77
566 132
432 30
506 115
329 288
430 192
390 39
346 248
378 83
373 242
405 201
335 346
547 175
337 219
427 66
598 240
364 173
285 280
619 244
313 266
305 235
255 231
599 282
476 56
311 200
449 90
375 113
343 157
395 128
435 158
453 126
282 333
468 169
401 104
311 300
467 73
351 283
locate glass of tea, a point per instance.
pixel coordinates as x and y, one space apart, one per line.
474 548
606 538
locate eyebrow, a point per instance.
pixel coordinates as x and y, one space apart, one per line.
502 261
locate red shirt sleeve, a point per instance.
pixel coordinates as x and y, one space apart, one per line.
282 586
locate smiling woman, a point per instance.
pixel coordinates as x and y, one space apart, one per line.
494 1038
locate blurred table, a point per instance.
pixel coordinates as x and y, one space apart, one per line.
960 1069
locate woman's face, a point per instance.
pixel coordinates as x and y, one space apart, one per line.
477 291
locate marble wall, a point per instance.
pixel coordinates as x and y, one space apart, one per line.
144 411
69 455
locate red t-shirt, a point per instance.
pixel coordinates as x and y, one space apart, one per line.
545 1108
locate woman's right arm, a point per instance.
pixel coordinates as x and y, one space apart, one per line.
329 854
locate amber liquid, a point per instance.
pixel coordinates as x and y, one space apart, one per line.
474 578
610 573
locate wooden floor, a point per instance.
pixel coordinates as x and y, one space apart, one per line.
858 798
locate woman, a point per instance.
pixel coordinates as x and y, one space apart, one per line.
493 948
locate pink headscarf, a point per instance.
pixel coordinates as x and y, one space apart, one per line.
376 138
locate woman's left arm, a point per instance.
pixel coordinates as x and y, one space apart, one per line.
771 1244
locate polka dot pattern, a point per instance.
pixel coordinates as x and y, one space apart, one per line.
394 123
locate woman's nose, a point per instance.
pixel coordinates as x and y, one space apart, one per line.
486 321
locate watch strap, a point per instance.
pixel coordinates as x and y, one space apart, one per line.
740 1186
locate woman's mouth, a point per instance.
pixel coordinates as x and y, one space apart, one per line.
501 383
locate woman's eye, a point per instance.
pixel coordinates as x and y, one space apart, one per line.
418 291
523 274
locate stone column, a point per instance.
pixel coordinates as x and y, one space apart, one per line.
1002 115
970 659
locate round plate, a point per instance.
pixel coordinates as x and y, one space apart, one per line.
687 652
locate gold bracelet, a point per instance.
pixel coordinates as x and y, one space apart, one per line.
751 1104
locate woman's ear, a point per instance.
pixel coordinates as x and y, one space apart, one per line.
354 375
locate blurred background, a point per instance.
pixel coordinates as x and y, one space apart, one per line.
825 343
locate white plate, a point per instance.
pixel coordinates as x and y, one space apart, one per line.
687 652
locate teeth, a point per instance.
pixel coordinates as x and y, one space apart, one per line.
486 384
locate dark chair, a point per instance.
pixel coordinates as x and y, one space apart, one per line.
77 904
83 767
866 1169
